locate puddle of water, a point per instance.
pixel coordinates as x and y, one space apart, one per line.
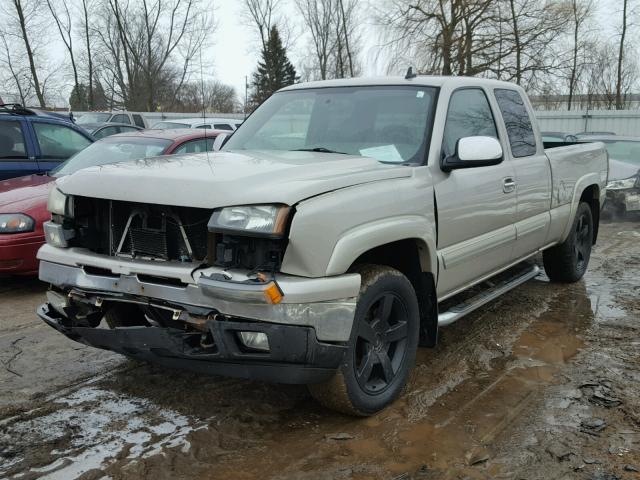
91 427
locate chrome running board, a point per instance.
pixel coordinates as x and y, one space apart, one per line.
460 310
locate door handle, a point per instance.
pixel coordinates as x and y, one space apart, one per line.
508 185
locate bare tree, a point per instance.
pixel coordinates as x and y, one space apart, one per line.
150 47
332 25
62 20
213 96
446 37
24 14
87 37
534 27
621 56
18 72
580 12
262 13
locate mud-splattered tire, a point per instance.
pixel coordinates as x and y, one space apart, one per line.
568 261
382 347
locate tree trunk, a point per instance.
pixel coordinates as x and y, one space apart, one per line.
516 38
346 39
27 45
91 100
574 66
621 57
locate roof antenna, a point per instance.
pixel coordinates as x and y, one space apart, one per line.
206 141
410 74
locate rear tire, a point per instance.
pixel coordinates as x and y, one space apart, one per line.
382 347
568 261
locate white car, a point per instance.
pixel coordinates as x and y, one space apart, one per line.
128 118
198 122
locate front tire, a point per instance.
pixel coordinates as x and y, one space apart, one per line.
568 261
382 346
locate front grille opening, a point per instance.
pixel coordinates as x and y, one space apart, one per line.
171 282
144 231
102 272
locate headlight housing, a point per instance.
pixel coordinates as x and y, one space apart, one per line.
252 220
60 204
622 184
16 223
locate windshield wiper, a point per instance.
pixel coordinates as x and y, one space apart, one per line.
318 149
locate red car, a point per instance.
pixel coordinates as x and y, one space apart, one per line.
23 200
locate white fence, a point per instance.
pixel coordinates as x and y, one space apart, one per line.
153 117
621 122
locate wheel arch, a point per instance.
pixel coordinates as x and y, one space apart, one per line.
588 189
410 256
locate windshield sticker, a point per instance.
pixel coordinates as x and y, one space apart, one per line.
385 153
420 94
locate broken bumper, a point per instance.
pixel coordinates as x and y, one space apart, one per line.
295 356
627 200
307 330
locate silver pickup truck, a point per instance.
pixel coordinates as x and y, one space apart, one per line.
337 229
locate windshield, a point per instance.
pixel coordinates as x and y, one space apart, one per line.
623 150
388 123
167 125
112 150
93 118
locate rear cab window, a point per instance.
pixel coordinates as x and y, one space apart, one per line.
12 141
517 121
138 120
121 118
222 126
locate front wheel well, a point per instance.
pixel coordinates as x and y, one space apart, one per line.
591 196
404 256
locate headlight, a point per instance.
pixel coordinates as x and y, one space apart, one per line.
60 204
256 220
622 184
16 223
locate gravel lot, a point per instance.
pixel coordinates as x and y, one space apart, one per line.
541 384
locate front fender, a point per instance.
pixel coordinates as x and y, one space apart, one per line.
329 232
365 237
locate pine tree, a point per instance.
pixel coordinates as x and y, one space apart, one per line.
274 71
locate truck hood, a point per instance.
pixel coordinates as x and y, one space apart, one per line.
228 178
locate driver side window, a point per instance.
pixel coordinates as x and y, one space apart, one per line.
469 115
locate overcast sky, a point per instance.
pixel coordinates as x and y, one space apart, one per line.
233 53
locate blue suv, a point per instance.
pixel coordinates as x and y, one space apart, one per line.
33 141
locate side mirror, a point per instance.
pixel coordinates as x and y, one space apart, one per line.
220 140
474 152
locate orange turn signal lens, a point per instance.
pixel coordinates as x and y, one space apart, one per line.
272 293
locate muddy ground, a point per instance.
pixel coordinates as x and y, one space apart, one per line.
541 384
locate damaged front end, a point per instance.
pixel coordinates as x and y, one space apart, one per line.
192 288
623 196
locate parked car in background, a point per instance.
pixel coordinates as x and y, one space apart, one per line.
127 118
558 137
34 141
23 201
582 135
330 235
229 124
101 130
623 189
